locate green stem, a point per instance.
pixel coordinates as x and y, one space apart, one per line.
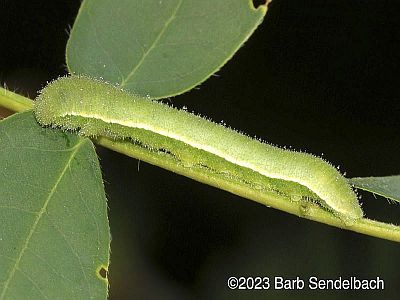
309 211
13 101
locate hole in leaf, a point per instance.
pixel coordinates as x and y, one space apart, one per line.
102 272
258 3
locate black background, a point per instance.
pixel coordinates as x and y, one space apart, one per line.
320 76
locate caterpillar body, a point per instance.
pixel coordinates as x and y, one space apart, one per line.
96 108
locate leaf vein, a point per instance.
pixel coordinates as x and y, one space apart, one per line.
153 46
36 222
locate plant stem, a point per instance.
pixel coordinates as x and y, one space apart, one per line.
13 101
308 210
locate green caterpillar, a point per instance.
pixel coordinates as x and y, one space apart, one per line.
96 108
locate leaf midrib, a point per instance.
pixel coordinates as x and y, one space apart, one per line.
153 45
36 222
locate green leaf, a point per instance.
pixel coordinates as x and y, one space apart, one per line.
54 235
158 47
388 186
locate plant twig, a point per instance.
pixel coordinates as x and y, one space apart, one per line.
13 101
309 211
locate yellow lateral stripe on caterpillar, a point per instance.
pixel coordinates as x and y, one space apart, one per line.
98 108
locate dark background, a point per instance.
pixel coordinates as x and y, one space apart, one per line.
321 76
